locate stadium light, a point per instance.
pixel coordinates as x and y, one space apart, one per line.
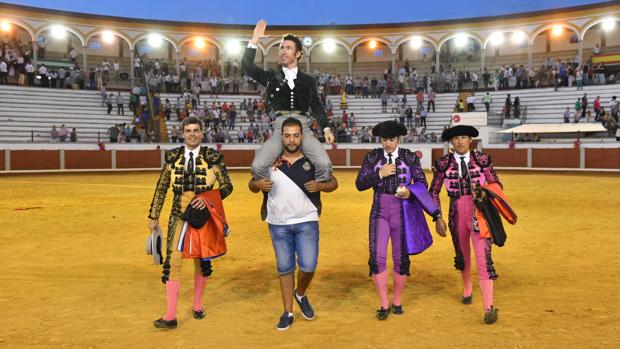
5 26
233 47
460 39
155 40
609 24
58 32
557 30
107 36
372 44
497 38
416 42
329 45
518 37
200 43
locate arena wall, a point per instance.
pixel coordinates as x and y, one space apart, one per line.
17 158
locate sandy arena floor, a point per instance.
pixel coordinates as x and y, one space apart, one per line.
75 275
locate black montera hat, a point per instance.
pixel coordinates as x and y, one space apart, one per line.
459 130
389 129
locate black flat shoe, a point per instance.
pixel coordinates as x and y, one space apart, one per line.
397 309
167 324
199 314
466 300
490 317
382 314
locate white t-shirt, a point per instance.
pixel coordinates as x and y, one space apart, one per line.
286 202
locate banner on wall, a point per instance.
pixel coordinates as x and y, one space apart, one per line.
471 119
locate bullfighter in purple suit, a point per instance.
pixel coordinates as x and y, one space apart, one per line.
462 172
399 199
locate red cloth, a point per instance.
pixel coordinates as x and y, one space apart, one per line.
501 203
209 240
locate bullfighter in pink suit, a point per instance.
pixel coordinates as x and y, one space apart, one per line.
462 172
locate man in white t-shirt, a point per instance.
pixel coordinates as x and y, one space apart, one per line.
471 103
73 55
291 207
43 74
213 82
105 66
117 69
30 73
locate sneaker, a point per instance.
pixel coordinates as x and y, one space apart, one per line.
466 300
382 314
490 317
304 305
397 309
286 321
167 324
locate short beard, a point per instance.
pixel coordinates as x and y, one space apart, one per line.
291 151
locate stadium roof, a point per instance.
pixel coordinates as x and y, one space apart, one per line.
332 14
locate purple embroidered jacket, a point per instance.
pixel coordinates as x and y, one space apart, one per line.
408 171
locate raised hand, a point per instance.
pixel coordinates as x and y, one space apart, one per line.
259 32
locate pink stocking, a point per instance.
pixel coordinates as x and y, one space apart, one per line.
399 287
467 286
199 286
172 296
486 286
380 281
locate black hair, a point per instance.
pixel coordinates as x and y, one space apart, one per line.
190 121
297 42
292 122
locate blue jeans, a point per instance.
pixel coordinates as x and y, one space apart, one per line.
301 239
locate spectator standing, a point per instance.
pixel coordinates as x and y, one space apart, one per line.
614 108
584 105
4 72
240 135
120 109
108 102
487 101
174 133
577 110
54 133
579 79
30 73
114 132
507 107
423 115
420 99
63 133
117 69
431 101
567 115
471 103
105 67
517 108
395 101
409 113
597 108
43 75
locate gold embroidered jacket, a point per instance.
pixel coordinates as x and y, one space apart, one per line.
209 168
